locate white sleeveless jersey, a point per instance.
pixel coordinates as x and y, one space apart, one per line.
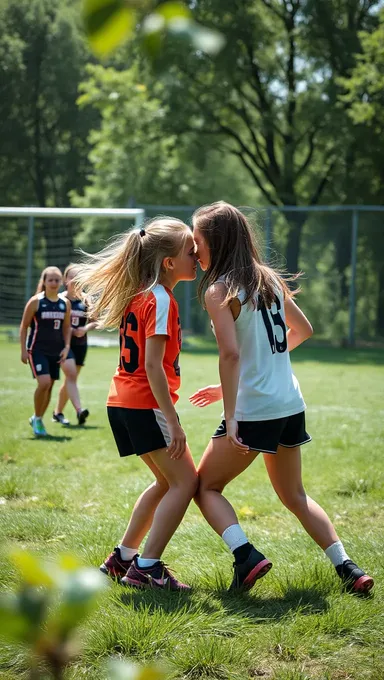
267 387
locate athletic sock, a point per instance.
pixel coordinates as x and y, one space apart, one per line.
234 537
144 563
242 553
336 553
127 553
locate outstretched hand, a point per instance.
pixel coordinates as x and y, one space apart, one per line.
206 395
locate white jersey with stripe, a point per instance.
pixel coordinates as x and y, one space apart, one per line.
268 389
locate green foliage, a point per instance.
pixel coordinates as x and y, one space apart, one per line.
365 86
51 602
109 22
44 134
134 159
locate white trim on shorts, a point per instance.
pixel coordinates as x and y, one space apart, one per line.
293 446
163 425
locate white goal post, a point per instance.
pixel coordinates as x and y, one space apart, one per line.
23 249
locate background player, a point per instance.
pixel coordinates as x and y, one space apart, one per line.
256 324
48 346
130 285
79 343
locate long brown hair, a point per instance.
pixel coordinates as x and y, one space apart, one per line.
48 270
131 263
235 256
72 267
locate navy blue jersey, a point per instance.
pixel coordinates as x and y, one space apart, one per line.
78 319
46 331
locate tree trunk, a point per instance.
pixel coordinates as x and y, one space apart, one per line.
343 260
296 223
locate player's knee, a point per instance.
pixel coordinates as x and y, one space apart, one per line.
161 487
45 383
295 501
190 484
210 485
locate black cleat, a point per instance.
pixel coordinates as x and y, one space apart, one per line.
82 416
355 580
60 418
247 573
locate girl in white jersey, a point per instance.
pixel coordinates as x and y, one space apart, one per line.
256 324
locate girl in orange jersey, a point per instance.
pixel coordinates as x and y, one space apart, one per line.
129 285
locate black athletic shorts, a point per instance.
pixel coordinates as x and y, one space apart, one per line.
79 352
266 435
138 430
43 364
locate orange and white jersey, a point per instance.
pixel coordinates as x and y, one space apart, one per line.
150 314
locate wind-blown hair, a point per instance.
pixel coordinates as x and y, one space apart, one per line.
48 270
130 264
235 256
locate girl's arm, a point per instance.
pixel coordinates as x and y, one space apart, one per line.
299 328
29 312
67 332
154 355
80 332
229 359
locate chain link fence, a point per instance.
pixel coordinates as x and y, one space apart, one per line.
339 249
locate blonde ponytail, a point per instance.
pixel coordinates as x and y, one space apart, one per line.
131 263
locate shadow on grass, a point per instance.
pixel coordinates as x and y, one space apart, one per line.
307 600
259 610
49 438
167 601
75 427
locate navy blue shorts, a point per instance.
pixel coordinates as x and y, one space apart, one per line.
79 352
266 435
45 364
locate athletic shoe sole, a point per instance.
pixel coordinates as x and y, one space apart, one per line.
363 584
149 586
109 572
260 570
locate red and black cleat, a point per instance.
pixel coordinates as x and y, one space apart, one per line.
157 576
114 566
355 580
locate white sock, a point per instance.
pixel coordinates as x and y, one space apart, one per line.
336 553
142 562
127 553
234 537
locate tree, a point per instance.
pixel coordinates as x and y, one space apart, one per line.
270 95
44 144
364 97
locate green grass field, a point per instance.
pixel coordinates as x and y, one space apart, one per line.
73 493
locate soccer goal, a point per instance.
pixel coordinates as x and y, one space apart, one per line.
34 238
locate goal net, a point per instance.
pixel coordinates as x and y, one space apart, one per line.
34 238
